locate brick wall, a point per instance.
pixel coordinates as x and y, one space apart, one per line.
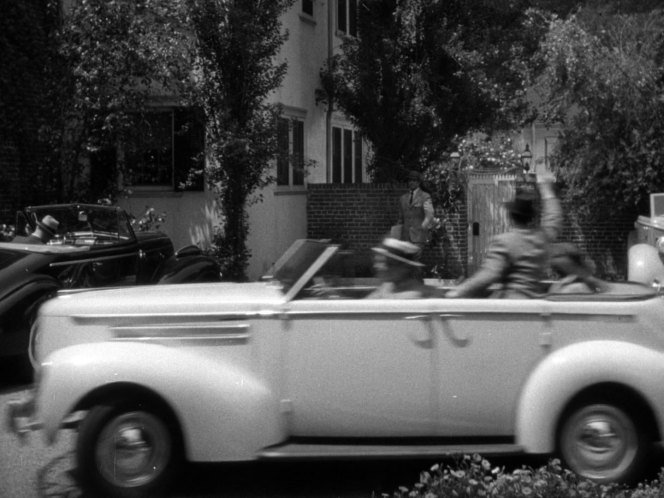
360 215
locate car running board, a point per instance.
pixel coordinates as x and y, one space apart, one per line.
303 451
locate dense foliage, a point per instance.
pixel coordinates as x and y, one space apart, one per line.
474 476
423 72
601 78
113 59
236 43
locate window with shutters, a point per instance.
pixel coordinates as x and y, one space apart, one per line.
290 159
346 156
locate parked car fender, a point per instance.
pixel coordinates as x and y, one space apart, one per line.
573 369
34 287
228 416
189 264
644 264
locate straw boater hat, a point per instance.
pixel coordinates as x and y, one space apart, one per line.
399 250
49 225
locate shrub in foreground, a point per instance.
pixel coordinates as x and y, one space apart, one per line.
473 476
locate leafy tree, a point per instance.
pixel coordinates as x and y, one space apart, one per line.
236 43
25 54
602 80
425 71
112 58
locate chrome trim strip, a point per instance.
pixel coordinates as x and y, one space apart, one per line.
198 317
179 332
93 259
180 338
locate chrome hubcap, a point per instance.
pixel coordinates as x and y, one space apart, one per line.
600 442
133 449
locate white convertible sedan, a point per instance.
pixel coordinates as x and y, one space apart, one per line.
302 366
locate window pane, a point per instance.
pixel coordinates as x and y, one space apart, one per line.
298 152
358 158
308 7
149 158
341 15
336 155
284 152
352 17
348 156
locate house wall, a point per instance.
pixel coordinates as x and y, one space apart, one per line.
277 214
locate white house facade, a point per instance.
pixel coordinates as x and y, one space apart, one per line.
326 141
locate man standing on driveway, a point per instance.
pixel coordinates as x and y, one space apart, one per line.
415 212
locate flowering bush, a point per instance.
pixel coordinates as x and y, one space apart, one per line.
151 220
7 232
474 476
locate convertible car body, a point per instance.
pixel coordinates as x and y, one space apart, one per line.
95 246
303 366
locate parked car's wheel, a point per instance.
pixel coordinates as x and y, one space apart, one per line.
127 450
600 441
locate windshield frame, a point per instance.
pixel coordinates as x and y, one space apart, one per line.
299 264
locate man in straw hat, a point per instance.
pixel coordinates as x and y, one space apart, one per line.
518 259
44 231
396 266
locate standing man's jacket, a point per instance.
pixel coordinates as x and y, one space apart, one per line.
416 216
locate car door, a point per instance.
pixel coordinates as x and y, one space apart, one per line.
358 368
486 349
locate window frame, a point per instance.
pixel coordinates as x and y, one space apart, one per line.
310 11
297 137
179 116
349 15
342 171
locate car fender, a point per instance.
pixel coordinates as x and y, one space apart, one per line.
34 286
187 265
644 264
568 371
225 411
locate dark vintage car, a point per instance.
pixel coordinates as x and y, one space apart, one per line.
94 246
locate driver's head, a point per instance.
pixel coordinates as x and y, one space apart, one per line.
394 260
47 228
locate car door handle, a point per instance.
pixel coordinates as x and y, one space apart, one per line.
422 337
460 340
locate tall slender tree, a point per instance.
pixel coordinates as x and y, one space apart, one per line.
236 42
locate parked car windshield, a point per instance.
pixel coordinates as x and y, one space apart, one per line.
79 221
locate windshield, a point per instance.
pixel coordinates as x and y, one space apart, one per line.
80 222
296 261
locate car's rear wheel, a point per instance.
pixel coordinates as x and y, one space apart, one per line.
602 442
127 450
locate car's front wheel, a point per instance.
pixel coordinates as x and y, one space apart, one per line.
602 442
127 450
